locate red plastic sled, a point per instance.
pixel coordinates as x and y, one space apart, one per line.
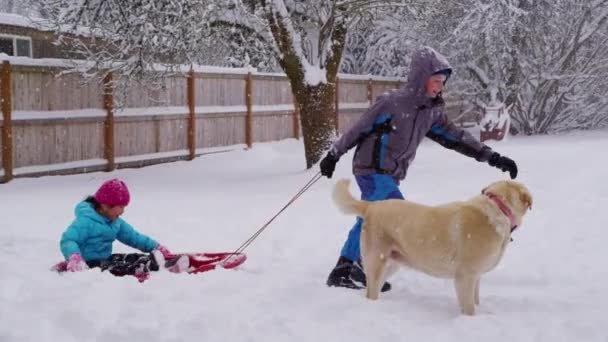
202 262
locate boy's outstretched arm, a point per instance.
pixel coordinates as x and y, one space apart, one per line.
455 138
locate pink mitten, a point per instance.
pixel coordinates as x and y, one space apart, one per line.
76 263
164 251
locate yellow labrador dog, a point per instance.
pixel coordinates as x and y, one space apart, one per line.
458 240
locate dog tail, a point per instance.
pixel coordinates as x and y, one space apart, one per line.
345 200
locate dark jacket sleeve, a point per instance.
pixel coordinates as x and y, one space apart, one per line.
450 136
359 130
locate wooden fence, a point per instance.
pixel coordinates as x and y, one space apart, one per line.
54 123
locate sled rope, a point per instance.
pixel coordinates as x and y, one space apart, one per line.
308 185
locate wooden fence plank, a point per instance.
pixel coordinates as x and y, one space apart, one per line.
45 142
7 135
249 118
353 91
191 116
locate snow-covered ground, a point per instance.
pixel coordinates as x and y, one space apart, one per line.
552 284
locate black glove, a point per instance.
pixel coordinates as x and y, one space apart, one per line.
503 163
328 165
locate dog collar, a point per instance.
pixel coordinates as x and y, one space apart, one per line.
504 208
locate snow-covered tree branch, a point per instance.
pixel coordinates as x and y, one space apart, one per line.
544 59
309 39
135 40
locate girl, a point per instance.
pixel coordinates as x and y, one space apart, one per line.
87 242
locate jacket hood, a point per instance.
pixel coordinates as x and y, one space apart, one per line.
85 209
425 62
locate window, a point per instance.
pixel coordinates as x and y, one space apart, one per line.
16 45
6 46
23 47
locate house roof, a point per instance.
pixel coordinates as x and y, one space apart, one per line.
22 21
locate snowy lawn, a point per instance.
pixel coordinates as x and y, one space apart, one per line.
552 284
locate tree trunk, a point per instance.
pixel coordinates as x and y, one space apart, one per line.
318 122
315 102
515 76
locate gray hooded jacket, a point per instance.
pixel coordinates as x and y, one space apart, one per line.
389 133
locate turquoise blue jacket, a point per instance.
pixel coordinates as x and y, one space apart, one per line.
92 235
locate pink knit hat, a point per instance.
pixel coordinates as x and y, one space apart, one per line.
113 192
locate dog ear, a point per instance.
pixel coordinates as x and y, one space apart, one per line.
526 199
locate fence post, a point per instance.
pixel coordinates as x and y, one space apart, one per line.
108 105
249 117
191 115
7 135
370 89
337 104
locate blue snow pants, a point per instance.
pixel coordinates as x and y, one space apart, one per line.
374 187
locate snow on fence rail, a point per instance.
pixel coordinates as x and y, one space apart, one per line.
54 123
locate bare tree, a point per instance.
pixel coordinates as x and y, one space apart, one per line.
233 45
560 95
140 40
382 44
543 59
28 8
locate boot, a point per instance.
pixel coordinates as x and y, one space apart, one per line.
357 275
340 275
350 275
